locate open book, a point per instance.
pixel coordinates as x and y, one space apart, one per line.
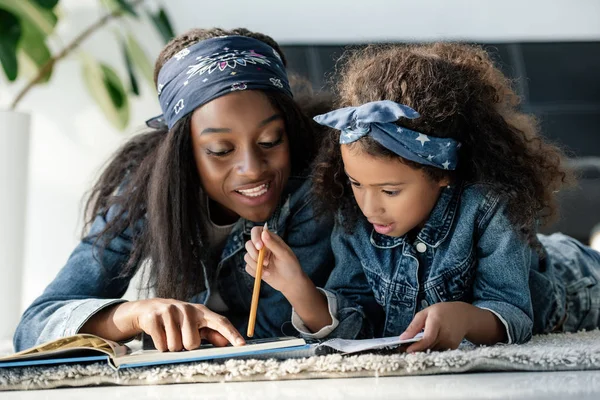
88 348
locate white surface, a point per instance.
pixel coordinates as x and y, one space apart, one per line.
532 385
344 21
14 149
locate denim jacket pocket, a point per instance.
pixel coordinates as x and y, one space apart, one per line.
455 284
380 286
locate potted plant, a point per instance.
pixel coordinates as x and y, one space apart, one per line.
26 26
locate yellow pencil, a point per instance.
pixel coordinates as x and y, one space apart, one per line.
256 291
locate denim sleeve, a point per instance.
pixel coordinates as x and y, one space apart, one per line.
501 282
82 287
358 314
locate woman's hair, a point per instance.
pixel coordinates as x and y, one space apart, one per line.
459 94
153 178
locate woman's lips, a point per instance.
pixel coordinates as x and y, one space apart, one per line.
255 195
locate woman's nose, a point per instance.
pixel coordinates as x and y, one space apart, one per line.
251 165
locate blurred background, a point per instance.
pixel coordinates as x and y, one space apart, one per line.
551 48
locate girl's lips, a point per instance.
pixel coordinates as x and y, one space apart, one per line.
384 229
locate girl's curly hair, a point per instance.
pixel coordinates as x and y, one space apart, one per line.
460 94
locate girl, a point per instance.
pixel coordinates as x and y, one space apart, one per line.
184 197
439 184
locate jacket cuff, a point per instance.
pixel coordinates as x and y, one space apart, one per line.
517 324
324 331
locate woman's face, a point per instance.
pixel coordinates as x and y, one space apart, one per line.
242 155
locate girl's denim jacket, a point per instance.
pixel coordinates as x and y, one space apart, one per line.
84 285
467 251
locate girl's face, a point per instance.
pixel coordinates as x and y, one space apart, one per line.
394 197
242 155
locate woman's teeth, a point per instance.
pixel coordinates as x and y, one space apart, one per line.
255 191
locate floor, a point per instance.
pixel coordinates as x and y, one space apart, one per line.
531 385
498 385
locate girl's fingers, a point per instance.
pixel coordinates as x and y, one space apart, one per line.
430 337
416 325
255 237
275 245
251 250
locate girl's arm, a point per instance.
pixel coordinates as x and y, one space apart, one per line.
282 271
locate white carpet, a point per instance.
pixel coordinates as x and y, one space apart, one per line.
557 352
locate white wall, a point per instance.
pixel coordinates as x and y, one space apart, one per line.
71 139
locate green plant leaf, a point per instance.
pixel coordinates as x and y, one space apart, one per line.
132 79
33 50
121 5
47 4
10 33
44 20
106 88
139 59
162 24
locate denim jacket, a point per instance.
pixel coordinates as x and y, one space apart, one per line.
84 286
467 251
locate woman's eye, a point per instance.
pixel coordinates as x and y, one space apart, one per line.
355 184
219 153
268 145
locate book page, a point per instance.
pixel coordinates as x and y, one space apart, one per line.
354 346
208 352
69 344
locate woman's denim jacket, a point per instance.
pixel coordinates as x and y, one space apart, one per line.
467 251
84 285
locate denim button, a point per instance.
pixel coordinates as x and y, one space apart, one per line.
424 303
421 247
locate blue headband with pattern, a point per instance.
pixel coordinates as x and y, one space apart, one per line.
215 67
376 119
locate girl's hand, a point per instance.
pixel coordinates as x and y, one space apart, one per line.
445 324
173 325
281 268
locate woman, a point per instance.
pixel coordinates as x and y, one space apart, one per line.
184 198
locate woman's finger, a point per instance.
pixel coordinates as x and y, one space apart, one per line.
220 324
214 337
152 325
171 318
190 335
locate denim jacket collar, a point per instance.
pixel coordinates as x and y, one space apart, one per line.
437 226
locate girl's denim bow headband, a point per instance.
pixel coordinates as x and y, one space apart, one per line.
376 119
215 67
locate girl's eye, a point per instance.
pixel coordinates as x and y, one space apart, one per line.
218 153
355 184
391 193
268 145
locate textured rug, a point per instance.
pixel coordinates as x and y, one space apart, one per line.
555 352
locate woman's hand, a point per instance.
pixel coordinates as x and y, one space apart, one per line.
281 268
447 324
173 325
